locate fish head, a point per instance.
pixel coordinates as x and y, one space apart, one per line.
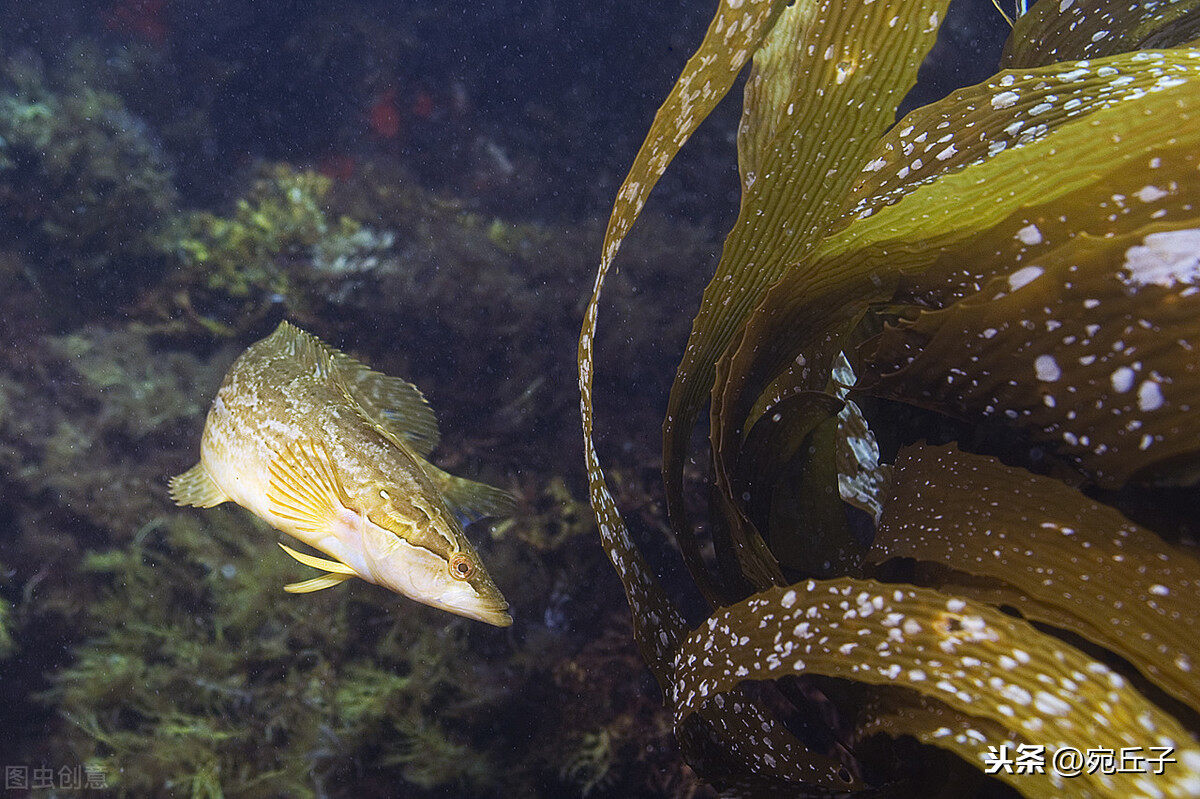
425 556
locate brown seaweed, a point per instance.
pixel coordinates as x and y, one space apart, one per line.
955 261
1055 556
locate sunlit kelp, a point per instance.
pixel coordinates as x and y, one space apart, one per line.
1074 30
825 68
981 235
967 655
1064 205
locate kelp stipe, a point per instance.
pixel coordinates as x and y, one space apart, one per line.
1022 252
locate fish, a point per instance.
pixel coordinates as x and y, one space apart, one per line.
335 455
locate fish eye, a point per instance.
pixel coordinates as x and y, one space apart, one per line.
461 567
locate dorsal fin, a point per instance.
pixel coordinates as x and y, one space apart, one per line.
304 347
393 403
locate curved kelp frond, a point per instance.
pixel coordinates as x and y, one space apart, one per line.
825 85
1052 554
1021 256
1072 31
965 654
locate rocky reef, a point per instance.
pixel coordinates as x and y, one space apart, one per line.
154 645
85 189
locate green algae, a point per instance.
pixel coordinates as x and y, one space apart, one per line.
593 763
197 660
85 188
235 266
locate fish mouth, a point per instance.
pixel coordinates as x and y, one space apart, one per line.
500 617
494 613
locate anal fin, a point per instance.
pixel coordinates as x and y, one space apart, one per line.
194 487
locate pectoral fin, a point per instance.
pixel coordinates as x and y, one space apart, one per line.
305 488
194 487
470 500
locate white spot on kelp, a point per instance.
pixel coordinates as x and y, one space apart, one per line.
1047 368
1149 194
1005 99
1122 379
1164 259
1030 235
1150 396
1023 277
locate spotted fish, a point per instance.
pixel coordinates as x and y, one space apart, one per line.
334 454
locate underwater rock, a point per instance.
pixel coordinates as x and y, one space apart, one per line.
84 187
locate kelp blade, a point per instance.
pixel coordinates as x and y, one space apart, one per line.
962 186
1071 30
731 39
959 183
1098 574
754 745
1111 319
966 655
899 711
825 85
968 200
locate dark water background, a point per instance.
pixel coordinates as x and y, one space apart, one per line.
479 146
564 90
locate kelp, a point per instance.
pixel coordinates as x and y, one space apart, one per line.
956 261
987 198
967 655
1054 555
898 711
1081 30
825 68
753 743
733 36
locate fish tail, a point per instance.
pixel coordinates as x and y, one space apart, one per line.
194 487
